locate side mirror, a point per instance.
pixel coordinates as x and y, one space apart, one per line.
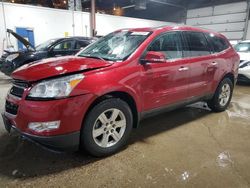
154 57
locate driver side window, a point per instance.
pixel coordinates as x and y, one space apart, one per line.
169 44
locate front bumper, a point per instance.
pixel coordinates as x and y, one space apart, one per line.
1 62
244 74
243 78
19 112
69 111
6 67
67 142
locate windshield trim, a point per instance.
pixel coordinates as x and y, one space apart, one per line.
48 43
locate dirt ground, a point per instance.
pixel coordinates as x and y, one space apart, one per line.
189 147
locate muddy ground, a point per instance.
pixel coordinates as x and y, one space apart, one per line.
189 147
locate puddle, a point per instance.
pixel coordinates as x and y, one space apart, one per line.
186 176
183 177
223 159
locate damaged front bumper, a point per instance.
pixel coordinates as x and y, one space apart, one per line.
67 142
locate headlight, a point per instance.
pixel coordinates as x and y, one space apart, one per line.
11 57
56 88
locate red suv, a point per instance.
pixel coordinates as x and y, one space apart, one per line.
94 99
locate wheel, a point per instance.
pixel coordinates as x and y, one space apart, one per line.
107 127
222 96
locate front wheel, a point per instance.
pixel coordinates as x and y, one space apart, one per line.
107 127
222 96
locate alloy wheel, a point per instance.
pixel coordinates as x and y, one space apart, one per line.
109 128
224 95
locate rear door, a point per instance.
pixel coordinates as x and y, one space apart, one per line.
197 54
165 83
221 59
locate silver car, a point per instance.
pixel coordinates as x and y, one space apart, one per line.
243 49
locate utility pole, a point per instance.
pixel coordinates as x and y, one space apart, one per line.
73 18
247 20
5 27
92 19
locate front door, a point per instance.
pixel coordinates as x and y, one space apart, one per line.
63 48
165 83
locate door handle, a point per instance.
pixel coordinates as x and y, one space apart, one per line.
214 63
183 69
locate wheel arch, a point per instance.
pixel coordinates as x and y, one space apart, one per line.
229 75
214 101
123 96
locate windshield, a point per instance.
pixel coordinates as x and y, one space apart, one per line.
116 46
43 46
242 47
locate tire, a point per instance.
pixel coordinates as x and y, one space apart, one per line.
103 135
222 96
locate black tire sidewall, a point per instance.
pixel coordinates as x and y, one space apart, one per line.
87 141
214 104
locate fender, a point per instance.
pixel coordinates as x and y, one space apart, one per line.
120 88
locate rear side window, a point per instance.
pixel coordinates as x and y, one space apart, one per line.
169 44
217 43
196 44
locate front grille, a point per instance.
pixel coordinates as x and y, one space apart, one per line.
21 83
18 88
11 108
17 91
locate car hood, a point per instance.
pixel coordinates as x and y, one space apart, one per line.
244 56
26 43
52 67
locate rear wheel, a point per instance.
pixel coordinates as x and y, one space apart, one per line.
107 127
222 96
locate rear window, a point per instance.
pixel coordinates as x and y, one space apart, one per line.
197 44
218 44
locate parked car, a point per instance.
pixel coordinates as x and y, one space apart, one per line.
94 99
243 49
51 48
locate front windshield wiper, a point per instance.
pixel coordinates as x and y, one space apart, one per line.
92 56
